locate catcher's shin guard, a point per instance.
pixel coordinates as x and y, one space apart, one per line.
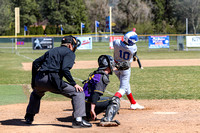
112 109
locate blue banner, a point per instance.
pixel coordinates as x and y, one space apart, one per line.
107 23
25 28
82 25
97 23
158 41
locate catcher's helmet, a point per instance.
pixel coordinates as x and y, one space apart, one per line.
105 61
71 39
130 38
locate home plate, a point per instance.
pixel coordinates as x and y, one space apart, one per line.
165 113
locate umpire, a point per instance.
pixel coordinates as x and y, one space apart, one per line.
47 73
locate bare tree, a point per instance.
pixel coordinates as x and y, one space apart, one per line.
189 9
124 12
97 11
135 11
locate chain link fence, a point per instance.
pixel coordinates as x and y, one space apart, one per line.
8 44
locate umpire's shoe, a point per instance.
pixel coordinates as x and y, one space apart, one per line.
81 124
29 118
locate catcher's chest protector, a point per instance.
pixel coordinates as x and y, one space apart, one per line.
90 83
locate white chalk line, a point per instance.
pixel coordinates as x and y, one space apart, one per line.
165 113
25 56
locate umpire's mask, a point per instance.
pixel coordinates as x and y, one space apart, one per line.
73 40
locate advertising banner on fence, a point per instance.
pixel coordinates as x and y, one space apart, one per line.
192 41
158 42
86 42
42 43
112 38
107 23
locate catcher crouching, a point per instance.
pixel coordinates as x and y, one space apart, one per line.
94 87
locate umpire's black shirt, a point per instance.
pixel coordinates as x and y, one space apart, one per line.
56 63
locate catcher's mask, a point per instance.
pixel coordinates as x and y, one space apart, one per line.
73 40
105 61
130 38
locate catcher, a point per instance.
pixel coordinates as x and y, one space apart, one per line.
94 87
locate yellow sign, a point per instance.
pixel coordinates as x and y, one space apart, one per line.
113 24
17 20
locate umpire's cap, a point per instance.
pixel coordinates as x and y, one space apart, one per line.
71 39
105 61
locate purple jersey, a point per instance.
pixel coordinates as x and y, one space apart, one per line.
94 84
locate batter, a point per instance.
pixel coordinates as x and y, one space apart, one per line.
123 54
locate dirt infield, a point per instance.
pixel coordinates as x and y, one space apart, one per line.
145 63
159 116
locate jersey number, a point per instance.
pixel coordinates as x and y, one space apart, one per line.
124 55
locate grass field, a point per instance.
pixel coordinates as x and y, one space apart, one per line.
11 94
150 83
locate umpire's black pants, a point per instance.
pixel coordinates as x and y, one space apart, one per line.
43 84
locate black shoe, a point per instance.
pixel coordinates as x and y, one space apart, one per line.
29 118
81 124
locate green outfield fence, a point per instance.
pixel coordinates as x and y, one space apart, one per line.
7 43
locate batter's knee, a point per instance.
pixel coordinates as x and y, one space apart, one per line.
128 91
122 91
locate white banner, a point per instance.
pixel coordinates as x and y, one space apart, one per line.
86 42
192 41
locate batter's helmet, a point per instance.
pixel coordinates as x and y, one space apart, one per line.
130 38
105 61
71 39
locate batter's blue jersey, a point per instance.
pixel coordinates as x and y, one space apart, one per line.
123 52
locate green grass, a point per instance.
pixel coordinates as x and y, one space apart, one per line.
12 94
143 52
150 83
167 83
103 48
158 82
12 71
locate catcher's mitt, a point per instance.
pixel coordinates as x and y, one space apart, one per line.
109 123
123 65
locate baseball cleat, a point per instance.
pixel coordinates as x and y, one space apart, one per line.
81 124
29 118
136 106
